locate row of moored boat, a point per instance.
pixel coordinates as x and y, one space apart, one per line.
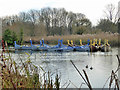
89 47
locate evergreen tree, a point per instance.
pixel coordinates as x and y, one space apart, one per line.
7 37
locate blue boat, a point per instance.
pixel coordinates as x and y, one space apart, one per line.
34 47
22 47
54 48
84 48
61 47
40 47
44 46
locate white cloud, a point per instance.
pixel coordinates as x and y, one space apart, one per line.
93 9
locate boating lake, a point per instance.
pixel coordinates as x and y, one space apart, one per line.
59 62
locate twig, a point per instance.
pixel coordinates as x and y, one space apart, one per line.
111 80
81 75
116 80
87 80
115 70
67 85
64 84
81 84
118 59
79 72
73 84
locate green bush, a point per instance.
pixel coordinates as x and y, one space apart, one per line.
9 37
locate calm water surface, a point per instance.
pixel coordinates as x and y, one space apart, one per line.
59 62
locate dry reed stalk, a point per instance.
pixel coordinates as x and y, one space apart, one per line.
113 76
113 38
85 80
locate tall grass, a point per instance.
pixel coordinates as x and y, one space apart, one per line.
113 38
24 75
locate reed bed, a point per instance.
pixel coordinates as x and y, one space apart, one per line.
112 38
24 74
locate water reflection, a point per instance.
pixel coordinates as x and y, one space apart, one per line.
101 62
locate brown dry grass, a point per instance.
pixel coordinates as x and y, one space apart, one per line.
113 38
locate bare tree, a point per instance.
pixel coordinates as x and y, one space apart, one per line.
50 21
39 17
33 20
63 17
111 13
70 19
23 17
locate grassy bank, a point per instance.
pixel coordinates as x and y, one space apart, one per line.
112 38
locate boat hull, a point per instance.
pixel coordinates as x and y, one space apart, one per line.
63 48
93 48
84 48
105 48
23 48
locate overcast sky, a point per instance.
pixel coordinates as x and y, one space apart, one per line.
93 9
